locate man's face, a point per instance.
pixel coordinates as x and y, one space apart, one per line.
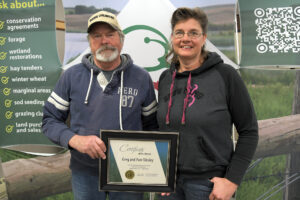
105 42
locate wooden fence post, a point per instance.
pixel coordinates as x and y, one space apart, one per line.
3 190
292 192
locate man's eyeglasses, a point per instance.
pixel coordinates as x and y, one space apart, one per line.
191 34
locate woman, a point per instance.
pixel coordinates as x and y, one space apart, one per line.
201 97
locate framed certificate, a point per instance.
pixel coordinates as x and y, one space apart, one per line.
142 161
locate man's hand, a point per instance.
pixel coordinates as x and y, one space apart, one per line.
91 145
223 189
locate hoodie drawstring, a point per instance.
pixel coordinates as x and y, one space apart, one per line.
170 99
121 98
186 99
89 88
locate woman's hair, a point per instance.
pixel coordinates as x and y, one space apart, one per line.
184 14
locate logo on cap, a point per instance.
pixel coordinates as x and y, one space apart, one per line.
105 17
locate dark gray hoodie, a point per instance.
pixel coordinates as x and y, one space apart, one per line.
216 99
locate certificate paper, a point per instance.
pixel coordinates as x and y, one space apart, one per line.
138 161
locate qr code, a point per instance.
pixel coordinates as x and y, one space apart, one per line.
278 30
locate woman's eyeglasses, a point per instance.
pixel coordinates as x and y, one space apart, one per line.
190 34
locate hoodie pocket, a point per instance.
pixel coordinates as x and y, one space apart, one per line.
207 150
195 154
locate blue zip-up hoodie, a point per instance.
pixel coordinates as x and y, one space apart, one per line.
91 107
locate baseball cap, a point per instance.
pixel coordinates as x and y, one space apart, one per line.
106 17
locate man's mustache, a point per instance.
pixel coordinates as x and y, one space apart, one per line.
106 48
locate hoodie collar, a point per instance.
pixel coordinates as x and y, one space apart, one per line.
211 60
87 60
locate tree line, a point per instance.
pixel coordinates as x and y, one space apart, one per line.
81 9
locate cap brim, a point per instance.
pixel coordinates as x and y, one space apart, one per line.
111 25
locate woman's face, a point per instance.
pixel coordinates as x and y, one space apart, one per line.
187 40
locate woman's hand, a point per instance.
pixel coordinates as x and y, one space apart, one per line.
223 189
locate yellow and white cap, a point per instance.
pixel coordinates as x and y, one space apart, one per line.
106 17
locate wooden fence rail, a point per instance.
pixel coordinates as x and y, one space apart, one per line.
278 136
40 177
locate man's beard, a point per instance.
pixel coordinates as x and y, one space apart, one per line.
106 57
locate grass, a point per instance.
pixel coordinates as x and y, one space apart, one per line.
64 196
221 39
7 155
272 96
269 172
272 101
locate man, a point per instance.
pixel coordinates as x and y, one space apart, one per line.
105 91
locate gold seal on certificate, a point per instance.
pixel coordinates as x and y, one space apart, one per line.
139 161
129 174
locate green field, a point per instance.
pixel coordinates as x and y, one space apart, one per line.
272 95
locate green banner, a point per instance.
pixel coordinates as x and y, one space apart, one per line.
270 32
29 68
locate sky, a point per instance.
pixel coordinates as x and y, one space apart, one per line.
119 4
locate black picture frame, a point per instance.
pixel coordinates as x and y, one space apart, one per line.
170 139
